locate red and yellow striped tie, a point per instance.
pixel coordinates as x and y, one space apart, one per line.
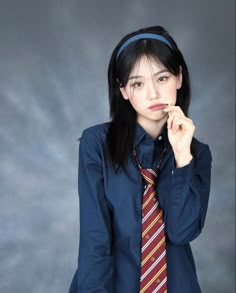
153 257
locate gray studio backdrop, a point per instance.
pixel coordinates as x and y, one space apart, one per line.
53 65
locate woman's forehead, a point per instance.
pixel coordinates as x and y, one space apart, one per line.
147 63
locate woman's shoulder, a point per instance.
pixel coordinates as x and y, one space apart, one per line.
93 142
95 133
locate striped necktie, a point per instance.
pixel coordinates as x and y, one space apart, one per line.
153 255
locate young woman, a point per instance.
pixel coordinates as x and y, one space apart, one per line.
144 180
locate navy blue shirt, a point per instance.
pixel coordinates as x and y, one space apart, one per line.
110 213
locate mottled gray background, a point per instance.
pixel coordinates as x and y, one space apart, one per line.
53 63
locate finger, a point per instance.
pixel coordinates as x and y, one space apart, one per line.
173 116
182 123
179 123
175 113
171 109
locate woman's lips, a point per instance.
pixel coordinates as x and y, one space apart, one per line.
158 106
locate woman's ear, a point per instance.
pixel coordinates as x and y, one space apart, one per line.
123 92
179 79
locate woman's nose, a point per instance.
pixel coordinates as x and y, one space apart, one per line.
152 90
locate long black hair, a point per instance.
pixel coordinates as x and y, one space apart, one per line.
121 131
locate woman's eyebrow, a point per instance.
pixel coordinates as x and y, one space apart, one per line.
156 73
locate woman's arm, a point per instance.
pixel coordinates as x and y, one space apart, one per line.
187 207
95 260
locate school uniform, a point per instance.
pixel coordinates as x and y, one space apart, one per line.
110 213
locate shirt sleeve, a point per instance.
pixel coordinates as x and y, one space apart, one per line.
189 198
94 272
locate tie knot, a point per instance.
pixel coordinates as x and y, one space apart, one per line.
149 175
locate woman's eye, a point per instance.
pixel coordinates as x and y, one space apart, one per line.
162 78
137 84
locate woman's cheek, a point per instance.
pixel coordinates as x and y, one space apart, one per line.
171 96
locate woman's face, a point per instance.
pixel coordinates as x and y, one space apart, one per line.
151 84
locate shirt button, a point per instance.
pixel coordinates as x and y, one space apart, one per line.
160 221
152 258
158 280
147 236
160 137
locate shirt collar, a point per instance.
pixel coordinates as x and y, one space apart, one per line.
141 133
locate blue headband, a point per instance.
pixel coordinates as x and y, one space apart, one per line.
143 36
